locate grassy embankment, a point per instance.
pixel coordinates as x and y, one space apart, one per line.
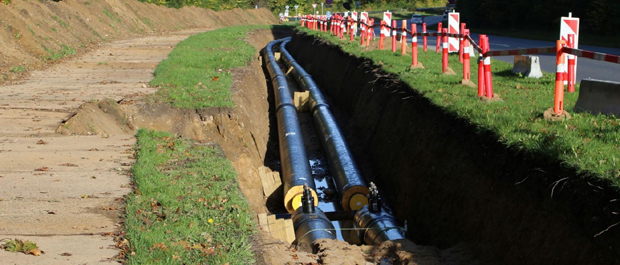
186 207
588 142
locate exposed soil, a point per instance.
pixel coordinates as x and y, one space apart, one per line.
455 183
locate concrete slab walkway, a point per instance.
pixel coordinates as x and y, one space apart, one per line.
64 192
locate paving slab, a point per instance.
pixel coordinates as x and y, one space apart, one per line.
61 250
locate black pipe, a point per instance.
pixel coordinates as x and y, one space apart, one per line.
311 224
295 165
375 225
346 174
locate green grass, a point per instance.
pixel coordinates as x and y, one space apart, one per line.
61 22
190 77
588 142
111 16
186 207
17 69
64 51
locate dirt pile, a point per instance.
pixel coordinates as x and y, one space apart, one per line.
35 33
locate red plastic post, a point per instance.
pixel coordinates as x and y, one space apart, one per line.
424 42
571 65
465 49
394 35
488 78
351 29
369 35
481 67
381 36
403 38
558 100
444 57
362 35
438 36
462 30
414 46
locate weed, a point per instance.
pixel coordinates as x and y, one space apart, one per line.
31 31
111 16
17 69
65 51
61 22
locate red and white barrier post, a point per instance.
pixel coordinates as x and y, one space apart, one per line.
444 58
558 100
481 67
424 42
438 36
351 29
369 33
571 65
382 36
403 38
461 44
488 78
465 51
414 46
393 35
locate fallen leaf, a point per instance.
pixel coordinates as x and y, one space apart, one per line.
109 208
66 254
160 246
41 142
42 169
175 257
215 78
68 165
51 212
93 149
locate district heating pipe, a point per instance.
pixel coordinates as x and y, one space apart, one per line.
294 160
349 182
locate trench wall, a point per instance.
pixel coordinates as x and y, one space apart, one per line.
455 183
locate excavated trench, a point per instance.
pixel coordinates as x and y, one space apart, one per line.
455 183
457 187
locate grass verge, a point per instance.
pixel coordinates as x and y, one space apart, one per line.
588 142
197 72
186 207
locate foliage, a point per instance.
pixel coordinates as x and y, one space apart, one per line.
186 207
27 247
64 51
210 4
17 69
596 16
197 72
587 142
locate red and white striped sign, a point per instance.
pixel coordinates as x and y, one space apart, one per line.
570 25
364 19
454 20
354 18
387 20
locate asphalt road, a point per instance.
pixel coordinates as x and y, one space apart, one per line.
586 68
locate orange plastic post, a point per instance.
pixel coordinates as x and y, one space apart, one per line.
444 57
414 46
424 41
438 36
481 67
381 36
465 49
394 35
558 100
488 78
403 38
461 42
